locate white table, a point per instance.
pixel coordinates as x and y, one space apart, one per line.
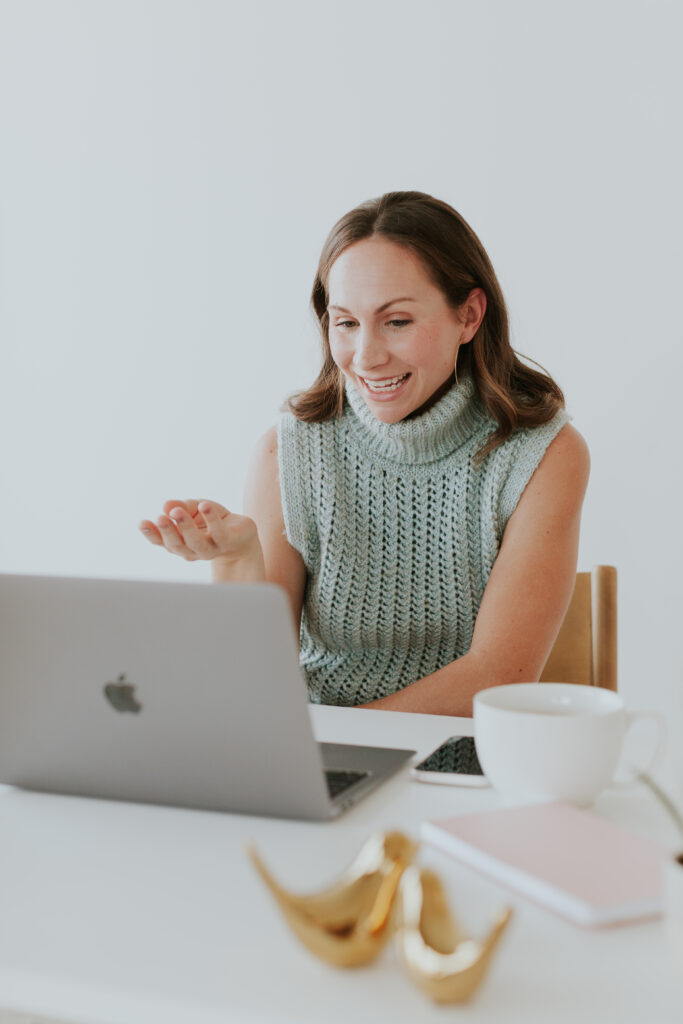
114 913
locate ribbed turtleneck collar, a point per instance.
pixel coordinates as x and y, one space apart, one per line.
425 438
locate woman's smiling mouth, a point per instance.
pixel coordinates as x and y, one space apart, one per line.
385 385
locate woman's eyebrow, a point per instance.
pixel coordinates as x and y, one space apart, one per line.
381 309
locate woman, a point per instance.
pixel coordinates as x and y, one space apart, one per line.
421 502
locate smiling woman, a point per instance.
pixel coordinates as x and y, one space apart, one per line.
402 361
420 502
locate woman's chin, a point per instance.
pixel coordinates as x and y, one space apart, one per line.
386 415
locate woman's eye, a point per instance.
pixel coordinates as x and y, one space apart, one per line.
352 323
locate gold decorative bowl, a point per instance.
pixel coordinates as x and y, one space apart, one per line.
348 923
444 963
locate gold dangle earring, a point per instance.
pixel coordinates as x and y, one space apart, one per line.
340 390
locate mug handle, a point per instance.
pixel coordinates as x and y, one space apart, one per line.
631 717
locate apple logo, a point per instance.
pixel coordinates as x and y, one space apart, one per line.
121 695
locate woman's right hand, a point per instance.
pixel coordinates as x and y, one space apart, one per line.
205 530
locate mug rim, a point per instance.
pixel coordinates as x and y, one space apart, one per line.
488 698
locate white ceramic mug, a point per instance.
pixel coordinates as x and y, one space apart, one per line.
553 741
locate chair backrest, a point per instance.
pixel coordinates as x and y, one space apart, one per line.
585 650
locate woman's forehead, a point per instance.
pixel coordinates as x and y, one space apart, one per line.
376 270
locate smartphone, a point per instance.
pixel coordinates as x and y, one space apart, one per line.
454 763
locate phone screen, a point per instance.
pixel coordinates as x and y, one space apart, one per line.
457 756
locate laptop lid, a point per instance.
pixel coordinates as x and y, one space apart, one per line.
178 693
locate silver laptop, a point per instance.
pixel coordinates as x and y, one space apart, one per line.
172 693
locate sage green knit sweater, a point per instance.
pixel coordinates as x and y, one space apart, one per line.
399 530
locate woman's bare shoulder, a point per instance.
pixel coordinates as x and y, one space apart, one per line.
569 453
266 445
262 473
561 478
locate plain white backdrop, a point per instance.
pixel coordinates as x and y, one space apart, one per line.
169 171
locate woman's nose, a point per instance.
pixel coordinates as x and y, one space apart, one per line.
370 351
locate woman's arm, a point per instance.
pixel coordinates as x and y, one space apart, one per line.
263 504
527 594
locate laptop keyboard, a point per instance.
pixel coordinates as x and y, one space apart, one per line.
338 780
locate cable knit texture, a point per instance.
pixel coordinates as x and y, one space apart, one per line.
399 530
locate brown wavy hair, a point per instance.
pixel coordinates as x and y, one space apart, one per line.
515 394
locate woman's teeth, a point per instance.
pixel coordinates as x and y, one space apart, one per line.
390 384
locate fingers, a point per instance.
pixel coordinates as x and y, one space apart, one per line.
233 535
213 509
191 529
193 533
172 537
164 533
190 505
150 532
215 518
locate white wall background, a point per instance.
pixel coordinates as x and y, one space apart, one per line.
169 170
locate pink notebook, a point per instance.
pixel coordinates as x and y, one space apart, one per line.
586 868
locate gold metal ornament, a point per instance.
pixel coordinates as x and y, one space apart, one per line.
348 923
445 964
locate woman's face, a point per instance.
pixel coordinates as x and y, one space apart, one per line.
392 333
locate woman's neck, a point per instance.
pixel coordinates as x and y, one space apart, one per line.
432 432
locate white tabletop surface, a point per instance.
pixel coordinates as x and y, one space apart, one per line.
114 913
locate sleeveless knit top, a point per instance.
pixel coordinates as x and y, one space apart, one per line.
398 529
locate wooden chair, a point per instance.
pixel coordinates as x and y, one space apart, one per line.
585 650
